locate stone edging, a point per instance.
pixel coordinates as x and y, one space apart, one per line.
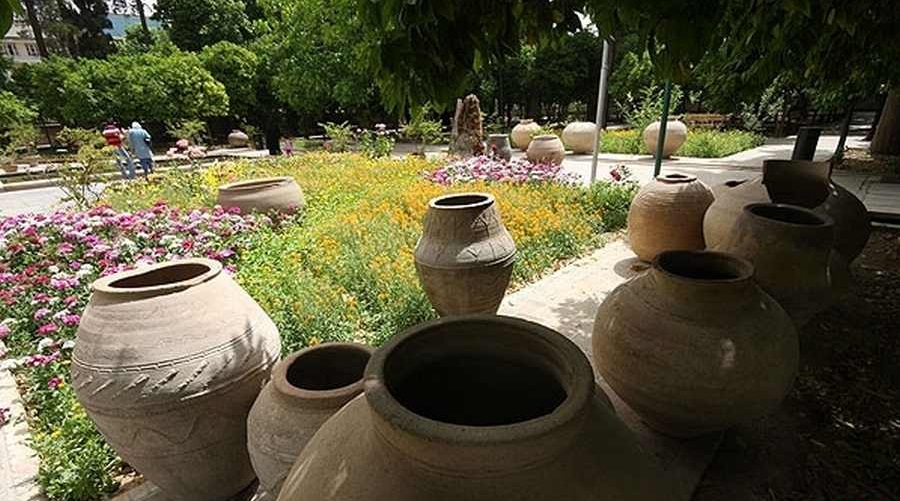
18 462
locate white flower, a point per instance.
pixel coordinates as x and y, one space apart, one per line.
45 343
53 269
68 345
12 363
58 315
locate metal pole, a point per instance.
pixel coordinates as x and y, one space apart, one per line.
600 120
663 121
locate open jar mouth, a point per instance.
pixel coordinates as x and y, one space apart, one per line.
165 277
676 177
787 214
329 369
445 378
703 266
256 184
462 201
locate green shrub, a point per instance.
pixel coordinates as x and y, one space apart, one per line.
622 141
718 144
340 136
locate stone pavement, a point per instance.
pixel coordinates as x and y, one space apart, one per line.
18 464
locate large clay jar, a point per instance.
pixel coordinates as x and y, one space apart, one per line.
546 149
465 256
676 135
498 145
476 408
795 182
667 214
790 248
694 345
167 363
523 132
579 137
306 389
280 194
238 139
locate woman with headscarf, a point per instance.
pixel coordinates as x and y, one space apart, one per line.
140 145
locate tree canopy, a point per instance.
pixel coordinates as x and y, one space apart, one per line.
195 24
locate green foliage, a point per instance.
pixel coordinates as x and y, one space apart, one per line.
14 112
340 135
76 137
641 111
421 130
699 143
80 181
192 130
195 24
136 42
87 19
376 144
235 67
623 141
7 9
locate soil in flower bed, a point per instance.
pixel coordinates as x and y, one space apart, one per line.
837 436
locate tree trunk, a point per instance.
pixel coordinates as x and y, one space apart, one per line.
887 134
845 131
36 28
139 6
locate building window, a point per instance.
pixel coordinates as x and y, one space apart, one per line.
31 50
12 50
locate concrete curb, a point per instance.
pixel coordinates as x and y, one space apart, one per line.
18 462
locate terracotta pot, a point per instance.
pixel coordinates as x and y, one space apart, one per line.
263 195
306 389
499 145
168 360
477 408
238 139
795 182
523 132
676 135
547 149
694 345
465 256
579 137
10 168
790 248
667 214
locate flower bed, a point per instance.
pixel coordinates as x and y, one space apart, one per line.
342 272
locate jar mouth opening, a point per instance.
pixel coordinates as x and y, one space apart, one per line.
703 266
462 201
256 184
545 137
676 177
168 276
327 368
445 378
786 214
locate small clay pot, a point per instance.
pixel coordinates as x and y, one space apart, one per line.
546 149
667 214
465 256
476 408
790 248
306 389
579 137
695 345
238 139
498 145
167 363
280 194
523 132
676 135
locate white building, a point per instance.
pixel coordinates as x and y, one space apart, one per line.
19 43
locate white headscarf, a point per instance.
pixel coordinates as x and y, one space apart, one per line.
135 125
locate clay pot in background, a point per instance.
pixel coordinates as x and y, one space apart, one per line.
498 144
694 345
263 195
547 149
306 389
795 182
238 139
523 132
667 214
579 137
476 408
167 363
676 135
790 248
465 256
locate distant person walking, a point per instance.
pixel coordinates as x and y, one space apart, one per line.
140 141
114 137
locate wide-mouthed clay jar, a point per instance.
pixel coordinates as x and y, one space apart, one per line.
523 132
579 137
168 361
280 194
498 146
476 408
465 256
694 345
546 149
790 248
306 389
794 182
667 214
676 135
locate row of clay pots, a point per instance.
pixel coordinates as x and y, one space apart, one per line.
281 194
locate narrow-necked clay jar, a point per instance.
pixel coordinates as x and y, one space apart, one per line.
476 408
694 345
280 194
667 214
579 137
790 248
465 256
168 361
306 389
523 132
546 149
676 135
498 145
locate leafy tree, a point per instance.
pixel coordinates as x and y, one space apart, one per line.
236 68
194 24
14 112
7 8
89 19
136 42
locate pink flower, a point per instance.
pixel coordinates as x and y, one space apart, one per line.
41 313
4 415
4 331
54 383
71 320
47 329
